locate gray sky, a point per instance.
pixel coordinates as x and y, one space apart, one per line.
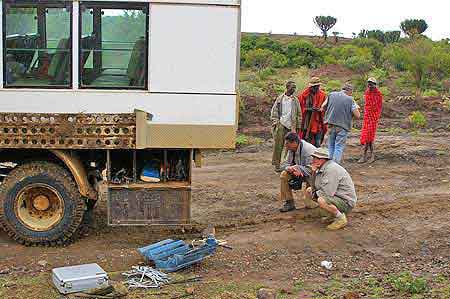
289 16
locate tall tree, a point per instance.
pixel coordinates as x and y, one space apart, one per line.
325 23
413 27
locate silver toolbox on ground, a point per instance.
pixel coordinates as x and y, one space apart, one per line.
80 278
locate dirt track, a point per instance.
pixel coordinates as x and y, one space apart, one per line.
400 223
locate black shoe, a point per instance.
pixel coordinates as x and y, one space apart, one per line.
288 206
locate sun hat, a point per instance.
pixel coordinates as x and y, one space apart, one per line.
372 79
314 81
321 153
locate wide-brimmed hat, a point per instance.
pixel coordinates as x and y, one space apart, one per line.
321 153
314 81
372 80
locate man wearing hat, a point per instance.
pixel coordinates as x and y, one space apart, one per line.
332 188
372 112
311 99
285 117
296 167
340 110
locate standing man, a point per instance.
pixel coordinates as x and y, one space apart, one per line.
372 112
313 128
296 166
340 109
285 116
333 188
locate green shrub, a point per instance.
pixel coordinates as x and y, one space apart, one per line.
430 93
358 64
417 120
258 58
375 47
279 60
303 53
396 55
380 74
385 91
248 89
329 59
264 74
405 282
333 85
241 140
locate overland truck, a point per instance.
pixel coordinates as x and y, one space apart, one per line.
114 101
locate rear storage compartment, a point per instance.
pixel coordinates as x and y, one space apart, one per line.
149 187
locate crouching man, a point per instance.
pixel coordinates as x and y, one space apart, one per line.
295 170
333 188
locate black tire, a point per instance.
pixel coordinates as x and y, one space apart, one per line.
58 179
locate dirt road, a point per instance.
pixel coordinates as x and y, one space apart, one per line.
400 224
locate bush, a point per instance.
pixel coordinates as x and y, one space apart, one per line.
248 89
417 120
396 56
358 64
241 140
406 283
380 74
430 93
375 47
258 58
303 53
279 60
264 74
385 91
329 59
333 85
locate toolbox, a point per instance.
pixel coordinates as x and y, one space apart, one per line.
80 278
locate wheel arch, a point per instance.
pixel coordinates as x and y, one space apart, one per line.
66 158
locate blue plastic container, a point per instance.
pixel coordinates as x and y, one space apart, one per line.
173 255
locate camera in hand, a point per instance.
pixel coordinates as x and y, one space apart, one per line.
296 183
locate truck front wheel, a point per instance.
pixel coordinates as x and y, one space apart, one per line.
40 204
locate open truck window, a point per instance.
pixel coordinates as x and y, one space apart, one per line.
113 45
37 44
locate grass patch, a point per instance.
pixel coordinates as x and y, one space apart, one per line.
405 282
417 120
244 140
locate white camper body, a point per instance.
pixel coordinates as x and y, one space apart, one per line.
191 79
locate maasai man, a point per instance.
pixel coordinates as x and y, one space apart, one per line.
372 112
311 99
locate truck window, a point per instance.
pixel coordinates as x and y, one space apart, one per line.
37 48
113 45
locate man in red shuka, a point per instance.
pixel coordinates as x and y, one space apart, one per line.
313 129
372 112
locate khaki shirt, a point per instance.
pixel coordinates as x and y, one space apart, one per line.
333 180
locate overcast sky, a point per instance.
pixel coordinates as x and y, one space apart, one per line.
289 16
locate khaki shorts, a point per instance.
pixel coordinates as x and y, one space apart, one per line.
339 203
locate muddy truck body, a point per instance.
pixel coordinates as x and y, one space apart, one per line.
111 101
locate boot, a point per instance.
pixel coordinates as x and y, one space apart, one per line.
288 206
338 223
